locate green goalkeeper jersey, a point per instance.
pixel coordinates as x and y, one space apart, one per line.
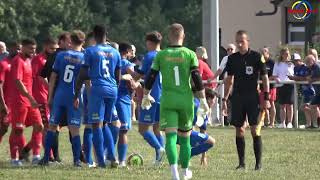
175 64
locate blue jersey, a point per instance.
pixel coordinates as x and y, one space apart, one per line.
304 71
145 69
67 65
124 94
102 60
196 107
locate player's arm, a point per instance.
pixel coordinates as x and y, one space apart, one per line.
82 77
52 84
196 78
151 78
130 70
265 81
3 106
23 90
118 75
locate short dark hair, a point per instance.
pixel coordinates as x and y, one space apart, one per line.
210 93
124 47
49 41
154 36
63 36
77 37
99 31
241 32
90 35
26 42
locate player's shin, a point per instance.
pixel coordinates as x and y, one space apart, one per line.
108 143
171 147
122 146
87 144
114 128
36 143
185 151
98 145
50 137
76 146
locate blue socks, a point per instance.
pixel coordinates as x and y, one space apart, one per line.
115 132
122 151
160 140
50 137
151 139
87 145
98 145
76 147
108 143
200 149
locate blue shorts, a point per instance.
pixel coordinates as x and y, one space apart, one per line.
124 114
100 105
73 115
197 138
150 116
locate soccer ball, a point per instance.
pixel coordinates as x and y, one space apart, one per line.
135 159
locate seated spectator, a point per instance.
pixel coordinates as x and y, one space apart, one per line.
301 72
314 53
281 70
3 51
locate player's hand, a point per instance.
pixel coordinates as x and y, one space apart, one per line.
76 103
224 108
266 104
147 100
204 160
126 77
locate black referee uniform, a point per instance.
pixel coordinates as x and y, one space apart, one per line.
246 70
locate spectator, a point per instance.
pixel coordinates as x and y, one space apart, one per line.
282 69
3 51
204 69
314 53
270 113
301 71
230 50
315 76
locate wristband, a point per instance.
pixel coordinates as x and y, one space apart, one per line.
266 96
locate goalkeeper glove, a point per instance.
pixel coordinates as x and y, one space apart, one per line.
202 112
147 100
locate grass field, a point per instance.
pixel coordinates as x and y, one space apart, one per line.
287 154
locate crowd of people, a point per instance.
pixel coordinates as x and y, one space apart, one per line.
89 80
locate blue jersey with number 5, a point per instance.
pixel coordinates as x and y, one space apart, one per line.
67 65
102 61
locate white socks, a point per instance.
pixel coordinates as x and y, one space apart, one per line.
174 171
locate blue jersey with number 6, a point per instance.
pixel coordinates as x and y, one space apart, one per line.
102 61
67 65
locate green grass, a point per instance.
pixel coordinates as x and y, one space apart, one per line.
287 154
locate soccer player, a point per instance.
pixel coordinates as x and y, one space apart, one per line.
64 43
177 65
6 88
65 70
244 68
102 67
123 104
26 112
40 88
150 118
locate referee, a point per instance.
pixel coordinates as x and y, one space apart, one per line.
244 69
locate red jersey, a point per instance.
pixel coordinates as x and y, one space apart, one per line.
6 78
39 88
206 73
21 70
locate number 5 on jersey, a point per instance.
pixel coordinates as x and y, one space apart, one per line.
105 68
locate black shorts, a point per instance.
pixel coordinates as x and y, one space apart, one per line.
243 105
285 94
315 100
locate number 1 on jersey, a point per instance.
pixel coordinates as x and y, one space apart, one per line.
176 75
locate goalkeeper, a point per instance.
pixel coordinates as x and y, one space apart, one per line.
177 65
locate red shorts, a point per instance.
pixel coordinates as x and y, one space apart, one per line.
25 116
45 113
273 95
